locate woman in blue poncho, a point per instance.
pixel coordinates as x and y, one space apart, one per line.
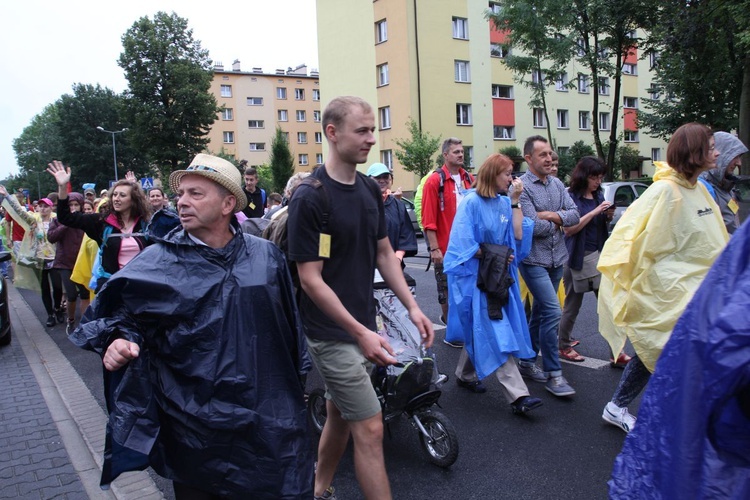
489 216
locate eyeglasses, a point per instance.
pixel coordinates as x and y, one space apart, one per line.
201 167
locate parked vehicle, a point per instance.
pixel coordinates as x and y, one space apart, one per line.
622 194
412 215
5 329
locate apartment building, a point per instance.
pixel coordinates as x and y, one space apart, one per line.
254 103
440 63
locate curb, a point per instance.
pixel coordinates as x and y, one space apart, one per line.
78 417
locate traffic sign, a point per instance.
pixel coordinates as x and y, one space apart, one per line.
147 183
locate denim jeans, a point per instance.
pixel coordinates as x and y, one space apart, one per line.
633 380
545 314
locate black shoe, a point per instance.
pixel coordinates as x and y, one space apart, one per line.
70 327
51 320
525 404
476 387
454 343
60 315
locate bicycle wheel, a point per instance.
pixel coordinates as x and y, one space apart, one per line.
441 447
316 410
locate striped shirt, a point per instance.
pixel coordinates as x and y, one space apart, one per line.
548 247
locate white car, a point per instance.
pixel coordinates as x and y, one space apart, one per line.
622 194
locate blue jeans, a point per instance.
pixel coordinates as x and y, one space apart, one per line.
545 314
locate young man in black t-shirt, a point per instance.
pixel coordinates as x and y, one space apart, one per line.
256 197
336 259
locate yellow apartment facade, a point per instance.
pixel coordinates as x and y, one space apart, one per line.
254 103
440 63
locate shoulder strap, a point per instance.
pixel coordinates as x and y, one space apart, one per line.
105 236
441 187
315 183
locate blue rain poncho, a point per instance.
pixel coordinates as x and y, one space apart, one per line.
488 342
692 439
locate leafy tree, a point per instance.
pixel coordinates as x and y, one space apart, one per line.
571 157
539 51
511 151
281 161
88 150
628 159
169 104
703 70
416 152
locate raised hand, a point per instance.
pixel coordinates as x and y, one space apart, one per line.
59 172
3 191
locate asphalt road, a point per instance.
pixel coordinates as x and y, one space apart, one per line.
561 450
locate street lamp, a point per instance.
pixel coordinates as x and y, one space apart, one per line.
114 149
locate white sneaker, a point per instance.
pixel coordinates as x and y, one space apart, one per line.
619 417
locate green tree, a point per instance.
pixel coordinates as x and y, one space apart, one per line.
169 105
702 51
416 153
281 160
540 51
628 160
571 157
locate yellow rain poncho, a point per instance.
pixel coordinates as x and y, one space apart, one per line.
655 259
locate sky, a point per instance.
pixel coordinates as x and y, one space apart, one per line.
48 46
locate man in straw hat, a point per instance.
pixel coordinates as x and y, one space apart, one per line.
336 260
204 352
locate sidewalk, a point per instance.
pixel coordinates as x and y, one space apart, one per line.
51 427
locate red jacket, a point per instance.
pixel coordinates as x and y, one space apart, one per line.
435 219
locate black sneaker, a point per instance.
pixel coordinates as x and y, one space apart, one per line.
70 327
476 387
51 320
525 404
60 315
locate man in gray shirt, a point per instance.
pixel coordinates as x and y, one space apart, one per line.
545 200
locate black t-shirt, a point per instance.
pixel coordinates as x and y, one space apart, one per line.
356 223
254 206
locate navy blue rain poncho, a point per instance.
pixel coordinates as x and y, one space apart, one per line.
214 400
692 438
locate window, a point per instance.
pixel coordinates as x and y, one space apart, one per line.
316 116
653 59
561 83
318 137
630 102
603 121
385 117
257 146
583 84
540 121
495 8
469 156
299 94
460 28
502 91
280 92
630 69
631 34
562 118
503 132
227 114
283 115
463 114
381 31
462 71
255 124
602 53
580 47
603 85
382 74
631 136
316 94
499 50
563 150
301 115
655 154
286 137
228 137
302 137
386 158
318 158
584 120
653 93
537 77
303 159
226 91
255 101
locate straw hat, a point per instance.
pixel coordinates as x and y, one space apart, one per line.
218 170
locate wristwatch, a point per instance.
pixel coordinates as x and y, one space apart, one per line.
515 205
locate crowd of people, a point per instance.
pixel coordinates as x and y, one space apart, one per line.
207 333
